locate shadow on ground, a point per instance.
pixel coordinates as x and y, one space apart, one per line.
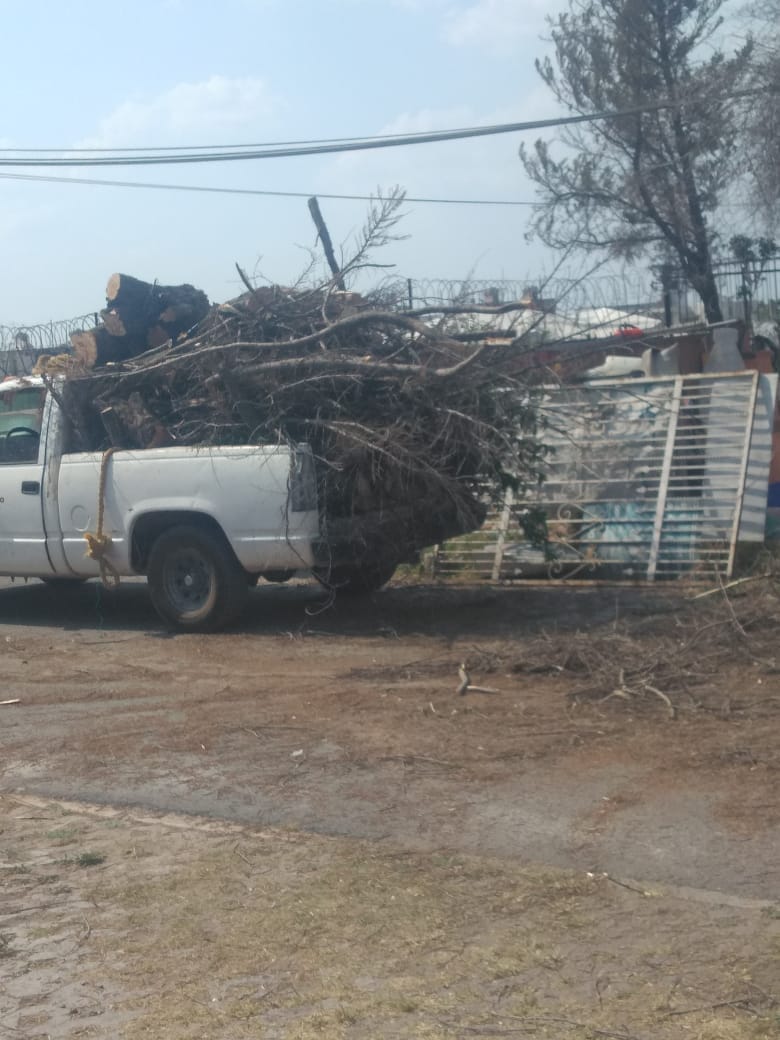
434 610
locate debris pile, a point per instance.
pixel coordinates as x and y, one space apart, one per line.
411 425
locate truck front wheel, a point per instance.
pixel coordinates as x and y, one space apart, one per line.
196 583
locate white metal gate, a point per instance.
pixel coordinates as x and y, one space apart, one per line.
646 479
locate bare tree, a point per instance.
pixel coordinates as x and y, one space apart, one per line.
649 181
762 123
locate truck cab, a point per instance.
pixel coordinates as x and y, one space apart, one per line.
23 546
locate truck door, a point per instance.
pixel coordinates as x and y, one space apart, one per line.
22 534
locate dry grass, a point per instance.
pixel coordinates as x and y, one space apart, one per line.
302 938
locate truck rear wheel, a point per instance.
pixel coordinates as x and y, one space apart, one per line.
196 583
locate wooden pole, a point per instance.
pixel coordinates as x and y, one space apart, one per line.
327 244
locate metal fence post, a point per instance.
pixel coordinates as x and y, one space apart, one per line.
506 516
663 480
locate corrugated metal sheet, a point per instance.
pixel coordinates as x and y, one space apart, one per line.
646 479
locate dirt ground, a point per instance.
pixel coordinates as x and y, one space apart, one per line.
301 829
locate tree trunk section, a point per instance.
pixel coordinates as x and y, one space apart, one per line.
98 347
137 306
139 316
711 300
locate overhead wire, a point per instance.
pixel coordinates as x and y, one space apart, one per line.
223 147
337 146
340 147
202 153
50 178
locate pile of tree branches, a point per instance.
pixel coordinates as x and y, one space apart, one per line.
413 425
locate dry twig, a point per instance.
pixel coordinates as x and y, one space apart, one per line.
466 686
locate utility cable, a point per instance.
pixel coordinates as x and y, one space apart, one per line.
252 191
221 147
343 146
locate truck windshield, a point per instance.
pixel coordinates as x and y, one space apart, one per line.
21 415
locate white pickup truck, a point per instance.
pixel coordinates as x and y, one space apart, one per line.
201 523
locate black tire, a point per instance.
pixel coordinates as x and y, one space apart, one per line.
356 579
195 581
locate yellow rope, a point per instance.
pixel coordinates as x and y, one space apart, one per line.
99 543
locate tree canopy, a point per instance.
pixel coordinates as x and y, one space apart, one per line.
651 180
762 124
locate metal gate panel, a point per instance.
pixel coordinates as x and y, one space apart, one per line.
644 480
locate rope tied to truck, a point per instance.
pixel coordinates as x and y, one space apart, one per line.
99 543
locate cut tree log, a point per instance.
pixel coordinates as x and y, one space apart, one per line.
140 337
98 347
138 305
115 428
140 316
157 336
113 323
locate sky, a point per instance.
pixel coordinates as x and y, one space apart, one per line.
193 72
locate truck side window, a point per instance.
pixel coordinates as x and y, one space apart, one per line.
21 417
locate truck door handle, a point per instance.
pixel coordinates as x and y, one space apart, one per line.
31 487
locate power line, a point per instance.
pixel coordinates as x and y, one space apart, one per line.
223 147
52 179
269 149
162 154
347 145
297 151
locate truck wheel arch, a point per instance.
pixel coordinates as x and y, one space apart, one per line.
148 527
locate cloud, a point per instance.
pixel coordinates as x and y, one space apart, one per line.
499 26
193 111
